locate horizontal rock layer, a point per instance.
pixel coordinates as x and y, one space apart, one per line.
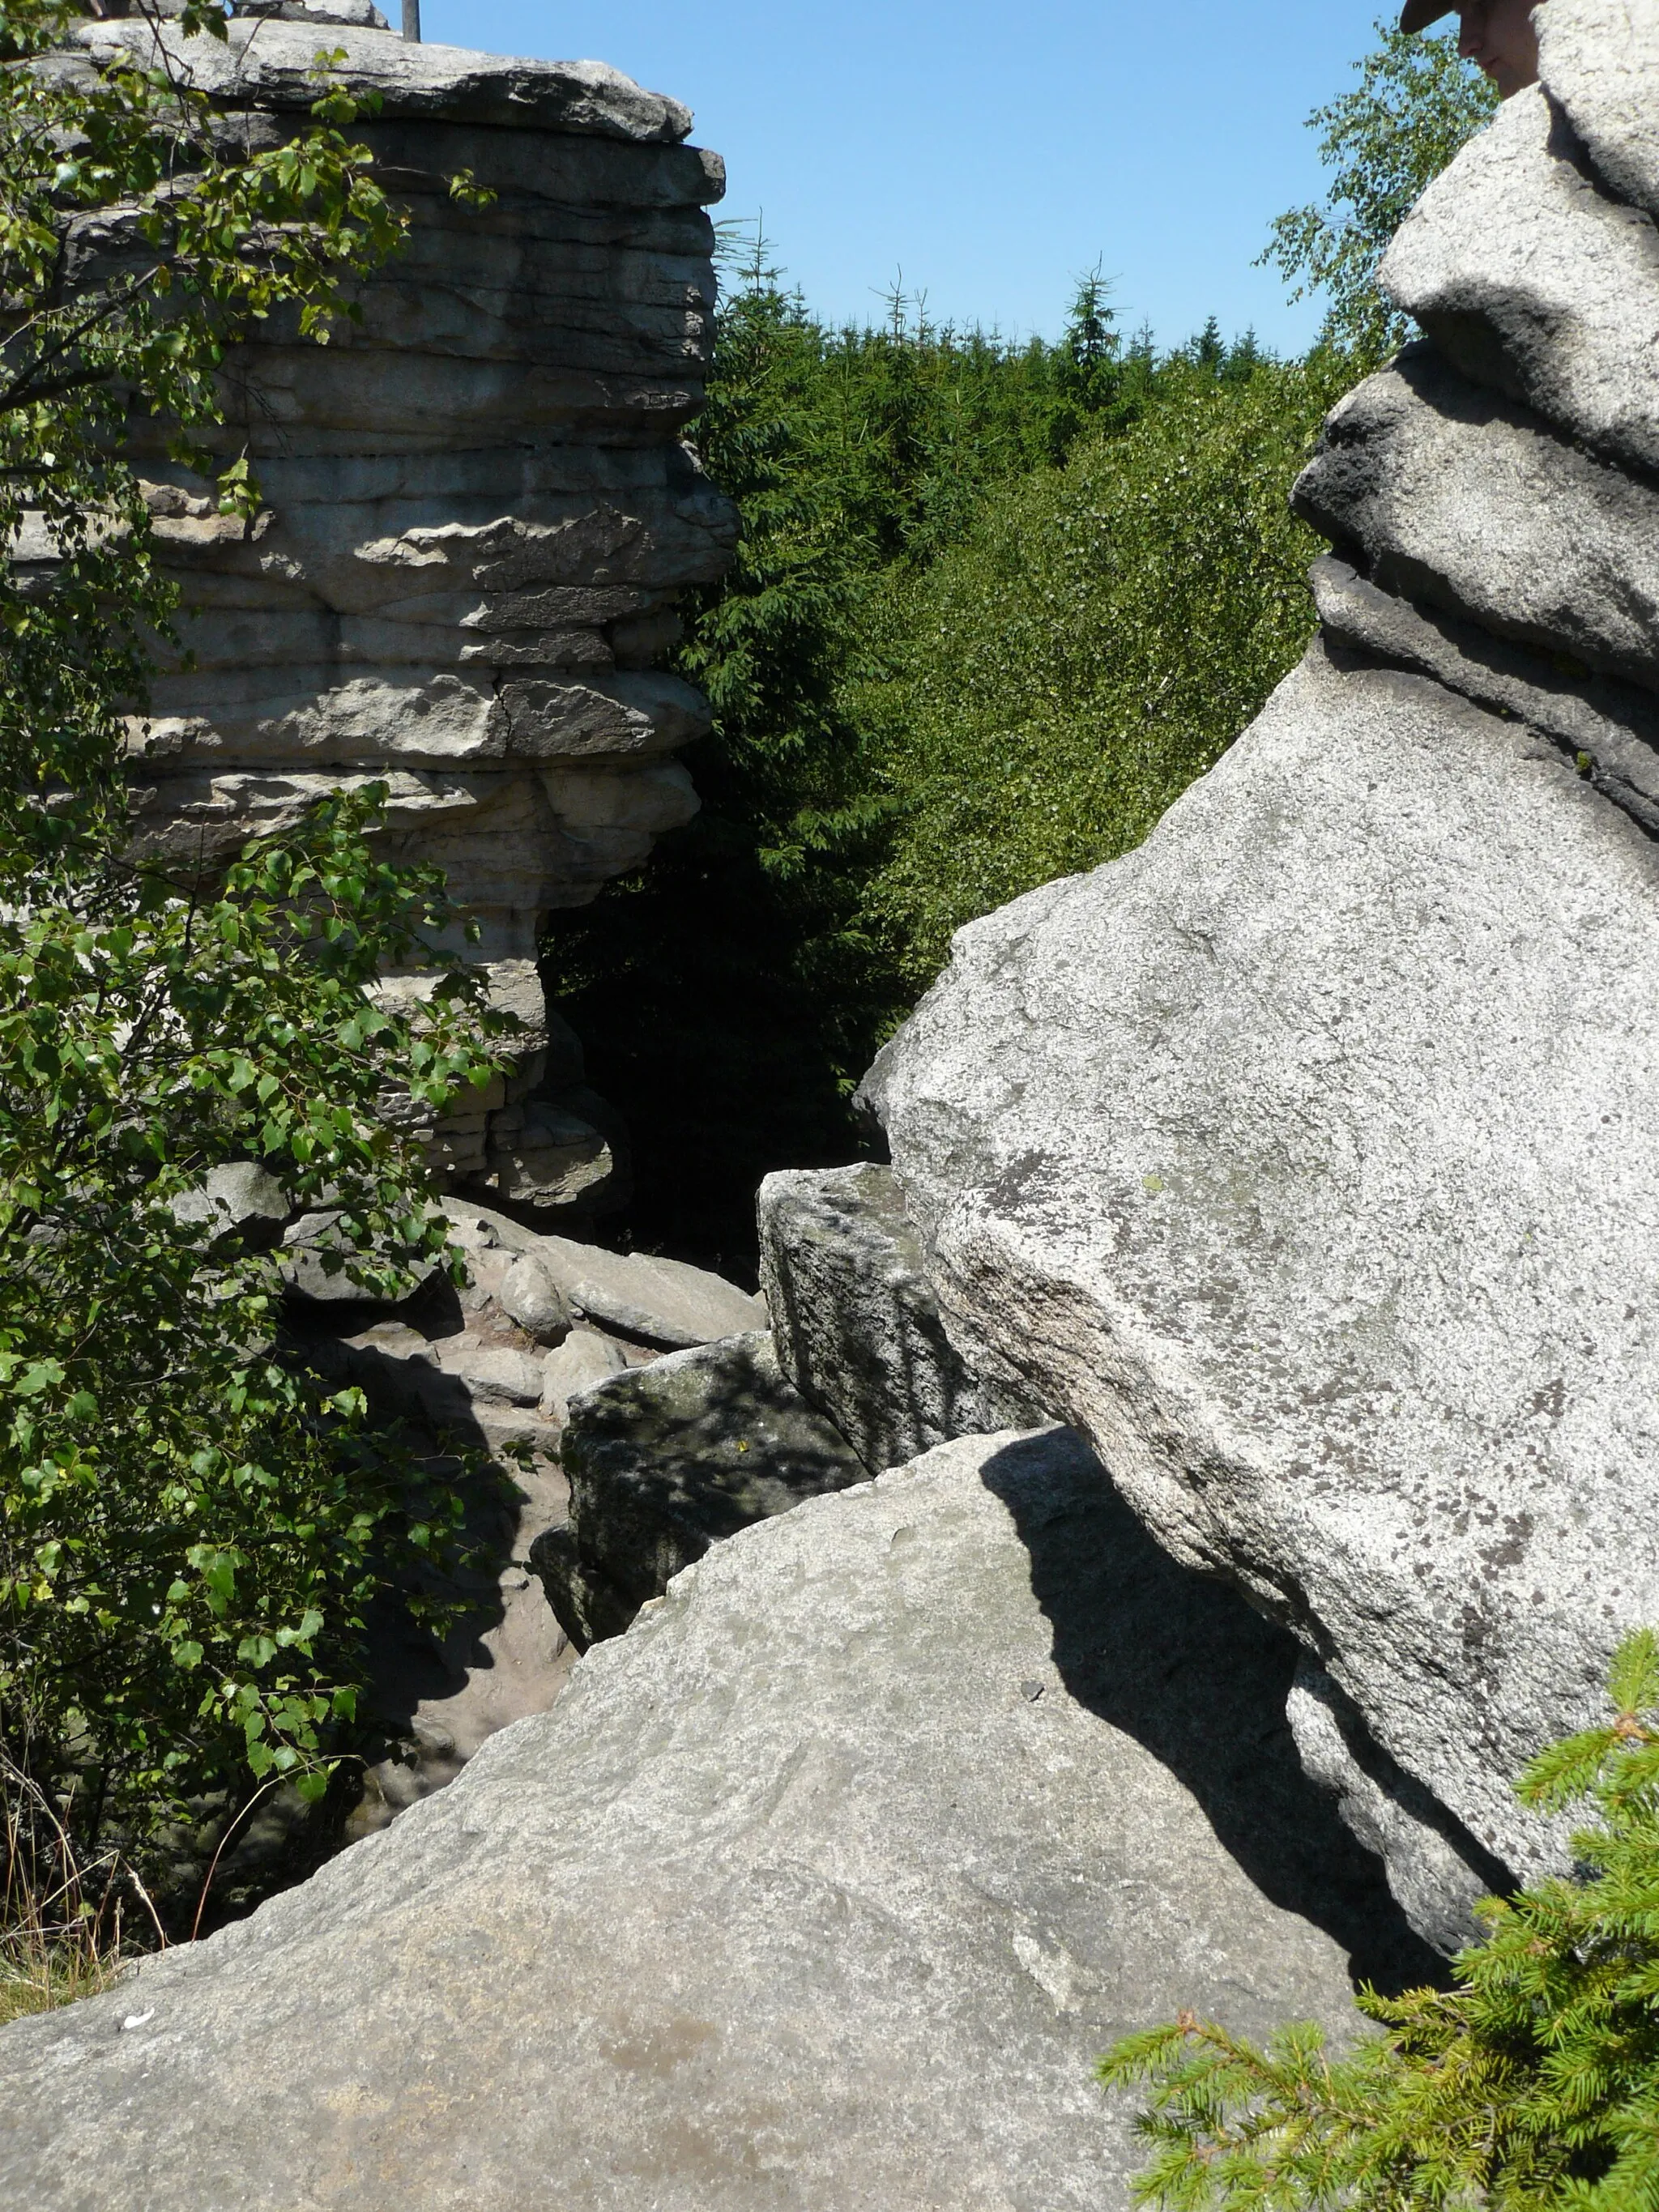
1532 279
272 65
1449 494
477 512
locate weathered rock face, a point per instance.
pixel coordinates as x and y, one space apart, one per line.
1600 58
1531 278
823 1886
1453 496
855 1321
1297 1157
477 515
1291 1156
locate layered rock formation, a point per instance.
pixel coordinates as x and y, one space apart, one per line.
477 514
1298 1157
492 1369
823 1887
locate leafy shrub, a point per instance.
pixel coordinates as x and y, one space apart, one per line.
1533 2084
1416 102
192 1526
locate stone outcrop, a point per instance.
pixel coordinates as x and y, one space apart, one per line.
854 1375
855 1320
489 1370
1531 278
823 1886
663 1463
1298 1158
477 514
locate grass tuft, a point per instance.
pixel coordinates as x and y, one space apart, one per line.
62 1932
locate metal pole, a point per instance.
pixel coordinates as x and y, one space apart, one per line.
412 22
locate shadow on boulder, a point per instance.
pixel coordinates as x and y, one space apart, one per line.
1189 1670
666 1460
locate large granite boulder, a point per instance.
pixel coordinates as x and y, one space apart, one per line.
1297 1157
823 1887
478 513
1290 1157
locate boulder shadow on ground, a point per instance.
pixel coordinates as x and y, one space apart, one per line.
1184 1665
664 1461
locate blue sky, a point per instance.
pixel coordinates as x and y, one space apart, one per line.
989 152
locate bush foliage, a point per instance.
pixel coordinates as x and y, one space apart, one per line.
191 1525
1531 2086
1100 637
1416 104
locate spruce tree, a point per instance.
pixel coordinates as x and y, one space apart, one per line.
1532 2083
